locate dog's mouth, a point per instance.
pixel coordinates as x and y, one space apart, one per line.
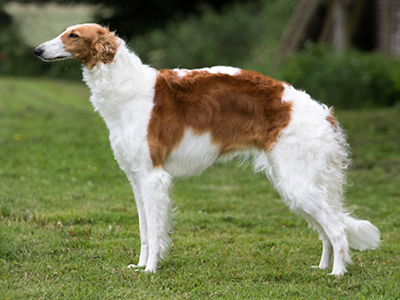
53 58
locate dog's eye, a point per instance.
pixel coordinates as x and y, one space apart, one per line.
73 35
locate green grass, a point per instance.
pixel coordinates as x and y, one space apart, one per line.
68 222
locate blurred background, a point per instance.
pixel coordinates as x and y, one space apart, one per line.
343 52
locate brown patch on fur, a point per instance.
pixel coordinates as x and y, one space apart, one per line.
331 119
92 44
240 111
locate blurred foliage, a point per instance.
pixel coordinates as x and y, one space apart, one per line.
140 16
5 18
243 35
350 80
209 39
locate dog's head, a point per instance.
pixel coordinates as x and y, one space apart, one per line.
88 43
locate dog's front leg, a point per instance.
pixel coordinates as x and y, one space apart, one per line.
155 188
144 249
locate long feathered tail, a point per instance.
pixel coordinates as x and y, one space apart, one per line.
361 235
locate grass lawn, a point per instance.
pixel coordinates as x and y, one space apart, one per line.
68 222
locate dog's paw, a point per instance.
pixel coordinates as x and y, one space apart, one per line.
136 267
339 273
314 267
131 266
150 270
320 267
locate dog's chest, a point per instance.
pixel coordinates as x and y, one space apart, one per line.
128 137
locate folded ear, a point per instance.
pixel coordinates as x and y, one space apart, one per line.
104 49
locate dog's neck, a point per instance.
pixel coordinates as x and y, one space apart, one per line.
125 81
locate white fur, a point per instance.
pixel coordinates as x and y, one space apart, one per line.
195 154
307 164
212 70
54 50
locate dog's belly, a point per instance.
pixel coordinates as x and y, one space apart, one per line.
195 154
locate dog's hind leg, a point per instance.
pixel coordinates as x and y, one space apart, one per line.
336 232
155 188
333 233
308 199
307 182
306 195
327 249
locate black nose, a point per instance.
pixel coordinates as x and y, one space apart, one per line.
38 51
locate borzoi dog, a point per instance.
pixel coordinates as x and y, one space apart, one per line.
176 123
